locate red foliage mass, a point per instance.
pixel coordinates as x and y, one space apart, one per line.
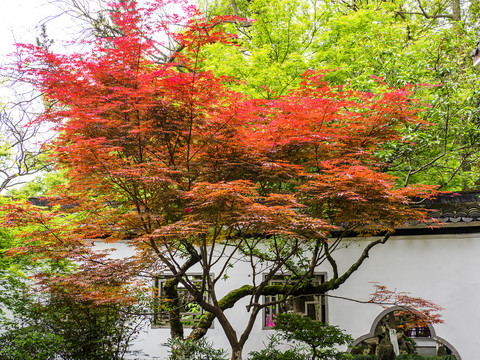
181 157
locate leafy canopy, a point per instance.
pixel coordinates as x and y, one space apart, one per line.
195 173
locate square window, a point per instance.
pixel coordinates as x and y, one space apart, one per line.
313 306
419 332
190 311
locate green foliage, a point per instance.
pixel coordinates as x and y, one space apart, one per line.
271 351
313 333
39 186
14 270
406 357
314 340
28 343
363 43
54 325
194 349
59 327
422 357
5 150
274 52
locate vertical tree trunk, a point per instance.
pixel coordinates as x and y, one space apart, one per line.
236 354
456 10
173 304
235 8
235 345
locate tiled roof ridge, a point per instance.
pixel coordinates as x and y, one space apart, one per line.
457 197
453 207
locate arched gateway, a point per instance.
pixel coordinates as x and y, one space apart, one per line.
425 338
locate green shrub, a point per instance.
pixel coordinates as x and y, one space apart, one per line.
57 327
27 343
422 357
364 357
272 353
314 340
194 349
406 357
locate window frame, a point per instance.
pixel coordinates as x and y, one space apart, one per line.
160 319
321 301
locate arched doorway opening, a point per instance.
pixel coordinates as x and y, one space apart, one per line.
419 340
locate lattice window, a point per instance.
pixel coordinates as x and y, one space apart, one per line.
419 332
313 306
190 311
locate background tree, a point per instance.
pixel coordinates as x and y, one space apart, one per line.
52 322
56 326
194 173
21 154
401 42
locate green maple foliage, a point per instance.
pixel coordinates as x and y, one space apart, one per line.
401 41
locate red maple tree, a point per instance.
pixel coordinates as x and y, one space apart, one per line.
193 174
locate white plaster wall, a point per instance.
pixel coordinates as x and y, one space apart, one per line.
442 268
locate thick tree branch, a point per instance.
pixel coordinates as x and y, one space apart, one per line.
229 300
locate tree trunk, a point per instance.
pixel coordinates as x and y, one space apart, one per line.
456 10
173 303
236 354
231 334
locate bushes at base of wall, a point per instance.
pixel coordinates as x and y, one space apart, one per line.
406 357
194 349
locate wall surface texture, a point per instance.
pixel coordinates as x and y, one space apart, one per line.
443 268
